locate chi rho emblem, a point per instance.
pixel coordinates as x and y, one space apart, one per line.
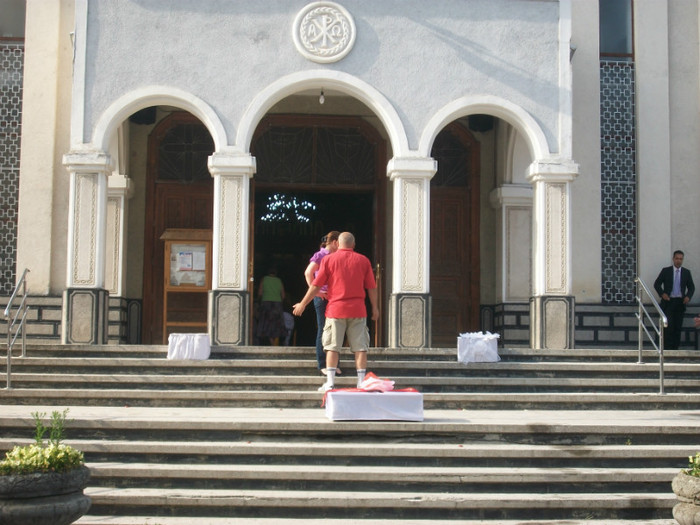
324 32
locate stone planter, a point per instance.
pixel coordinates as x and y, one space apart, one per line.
51 498
687 489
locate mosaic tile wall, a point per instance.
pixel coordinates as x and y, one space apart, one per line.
618 182
11 68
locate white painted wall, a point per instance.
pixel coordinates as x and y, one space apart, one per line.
653 137
585 191
43 195
419 55
684 91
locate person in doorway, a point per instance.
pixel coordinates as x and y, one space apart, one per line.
348 275
289 327
270 319
675 288
329 244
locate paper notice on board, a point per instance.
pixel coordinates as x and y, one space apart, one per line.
184 261
198 261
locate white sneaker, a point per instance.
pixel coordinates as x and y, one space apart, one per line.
325 387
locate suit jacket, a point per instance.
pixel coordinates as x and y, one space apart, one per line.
664 282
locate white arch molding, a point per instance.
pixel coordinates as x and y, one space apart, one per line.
317 79
129 103
515 115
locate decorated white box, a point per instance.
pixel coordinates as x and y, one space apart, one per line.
388 406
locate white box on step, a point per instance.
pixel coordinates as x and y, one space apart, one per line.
189 346
388 406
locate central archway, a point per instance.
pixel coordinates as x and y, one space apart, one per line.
314 174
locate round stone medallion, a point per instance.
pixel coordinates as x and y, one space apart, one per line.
324 32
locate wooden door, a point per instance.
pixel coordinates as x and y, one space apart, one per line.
179 195
454 236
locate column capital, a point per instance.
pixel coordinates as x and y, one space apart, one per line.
88 161
231 164
411 167
511 194
552 170
118 184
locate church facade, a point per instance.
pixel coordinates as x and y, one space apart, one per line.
507 165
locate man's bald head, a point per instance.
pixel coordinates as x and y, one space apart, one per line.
346 240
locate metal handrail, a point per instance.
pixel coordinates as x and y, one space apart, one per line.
643 315
16 323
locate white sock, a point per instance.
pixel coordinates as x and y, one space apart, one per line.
361 375
330 376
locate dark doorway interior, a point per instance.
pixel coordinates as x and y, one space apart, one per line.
289 226
314 174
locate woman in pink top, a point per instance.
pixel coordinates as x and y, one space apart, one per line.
329 244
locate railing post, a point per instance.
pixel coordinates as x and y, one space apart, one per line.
24 315
643 315
12 321
640 311
8 386
661 357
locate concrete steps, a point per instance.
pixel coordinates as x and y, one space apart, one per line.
456 465
312 399
382 505
577 355
287 377
539 437
145 520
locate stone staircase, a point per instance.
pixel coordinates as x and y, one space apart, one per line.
540 437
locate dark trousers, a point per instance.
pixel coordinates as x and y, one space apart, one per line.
320 307
674 310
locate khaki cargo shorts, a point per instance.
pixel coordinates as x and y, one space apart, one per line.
335 330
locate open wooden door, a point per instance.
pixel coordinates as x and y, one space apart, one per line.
179 194
454 236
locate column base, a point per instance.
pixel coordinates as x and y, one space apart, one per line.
552 322
229 317
409 320
85 316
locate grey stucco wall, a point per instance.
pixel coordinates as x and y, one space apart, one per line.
420 55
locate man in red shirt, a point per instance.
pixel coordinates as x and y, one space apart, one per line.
347 274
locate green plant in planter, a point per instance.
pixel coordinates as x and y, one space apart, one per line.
686 487
43 483
693 466
53 456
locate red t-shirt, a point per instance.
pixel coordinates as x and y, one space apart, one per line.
348 274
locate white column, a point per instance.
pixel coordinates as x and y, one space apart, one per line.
119 192
552 305
85 300
409 315
228 302
513 203
87 218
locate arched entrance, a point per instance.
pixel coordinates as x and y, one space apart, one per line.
454 235
315 174
179 194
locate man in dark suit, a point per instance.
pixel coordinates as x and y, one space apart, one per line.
675 288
